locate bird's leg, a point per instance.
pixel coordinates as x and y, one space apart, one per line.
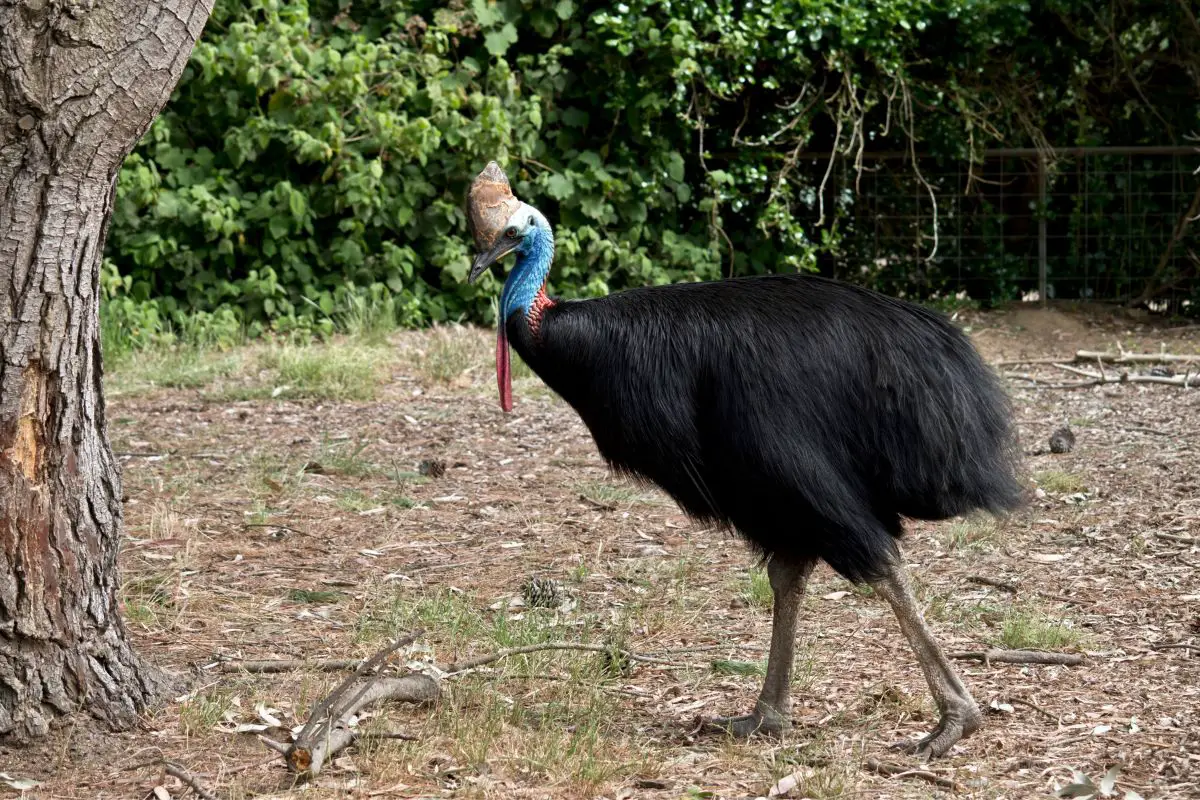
773 710
960 716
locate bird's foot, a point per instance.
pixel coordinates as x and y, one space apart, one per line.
747 725
957 723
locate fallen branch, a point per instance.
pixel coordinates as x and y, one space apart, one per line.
1021 657
1124 377
1191 648
1172 537
328 730
1145 429
1030 704
1020 362
896 771
1091 357
319 741
472 663
291 665
1185 381
1134 358
1011 588
190 780
1040 383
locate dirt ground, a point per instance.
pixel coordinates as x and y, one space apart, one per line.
304 529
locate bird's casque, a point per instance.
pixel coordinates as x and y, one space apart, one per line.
490 202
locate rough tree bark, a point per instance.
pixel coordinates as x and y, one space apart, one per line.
80 82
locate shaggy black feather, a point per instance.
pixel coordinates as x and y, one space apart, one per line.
806 414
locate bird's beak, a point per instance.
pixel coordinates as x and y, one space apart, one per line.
503 246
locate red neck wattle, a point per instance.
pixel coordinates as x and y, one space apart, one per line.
541 302
503 371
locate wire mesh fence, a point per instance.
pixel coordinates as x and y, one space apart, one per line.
1102 223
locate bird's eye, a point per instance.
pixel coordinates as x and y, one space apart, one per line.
511 233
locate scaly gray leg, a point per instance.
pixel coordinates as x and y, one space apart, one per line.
772 712
960 716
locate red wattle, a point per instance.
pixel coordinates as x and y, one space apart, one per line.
503 371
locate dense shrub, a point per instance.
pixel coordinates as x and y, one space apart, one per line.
316 151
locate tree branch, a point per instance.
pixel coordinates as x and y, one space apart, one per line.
535 648
1021 657
192 782
896 771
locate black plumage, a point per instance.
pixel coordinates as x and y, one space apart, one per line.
806 414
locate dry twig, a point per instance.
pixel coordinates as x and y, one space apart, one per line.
472 663
291 664
1191 648
1090 356
1021 657
896 771
190 780
328 731
1172 537
1185 381
1020 362
1030 704
1011 588
323 738
1134 358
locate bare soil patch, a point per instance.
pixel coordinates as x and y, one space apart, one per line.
273 527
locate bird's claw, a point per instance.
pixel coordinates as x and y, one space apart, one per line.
950 729
746 725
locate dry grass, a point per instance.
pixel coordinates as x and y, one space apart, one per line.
295 524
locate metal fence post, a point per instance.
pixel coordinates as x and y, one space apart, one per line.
1041 182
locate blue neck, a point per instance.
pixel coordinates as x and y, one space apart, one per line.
528 275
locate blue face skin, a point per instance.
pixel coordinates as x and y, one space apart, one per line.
535 252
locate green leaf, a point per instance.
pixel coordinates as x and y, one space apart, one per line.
498 42
675 166
279 226
560 187
486 13
564 9
575 118
296 204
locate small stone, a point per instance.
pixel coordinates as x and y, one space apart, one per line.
26 122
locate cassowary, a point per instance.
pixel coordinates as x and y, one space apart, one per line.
808 415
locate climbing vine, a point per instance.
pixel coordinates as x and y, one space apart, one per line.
318 151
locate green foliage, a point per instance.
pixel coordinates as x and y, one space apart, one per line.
316 153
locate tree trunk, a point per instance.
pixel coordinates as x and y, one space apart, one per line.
80 82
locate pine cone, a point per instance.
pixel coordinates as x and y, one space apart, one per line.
542 593
1062 440
432 467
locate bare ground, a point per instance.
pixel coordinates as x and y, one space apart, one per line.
277 528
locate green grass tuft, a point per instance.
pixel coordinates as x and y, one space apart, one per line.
971 533
313 596
1058 482
757 591
449 354
1030 630
606 493
727 667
